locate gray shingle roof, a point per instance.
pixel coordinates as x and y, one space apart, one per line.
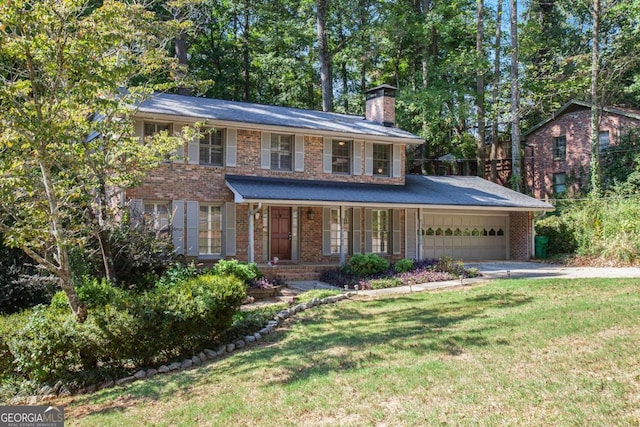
441 191
242 112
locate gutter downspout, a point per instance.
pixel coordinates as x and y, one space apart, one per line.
252 212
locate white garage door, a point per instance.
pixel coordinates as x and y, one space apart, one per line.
464 237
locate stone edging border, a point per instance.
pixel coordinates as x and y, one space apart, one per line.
48 393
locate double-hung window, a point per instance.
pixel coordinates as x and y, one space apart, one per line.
151 128
281 149
156 215
210 230
603 140
381 159
380 231
559 183
212 147
341 155
560 148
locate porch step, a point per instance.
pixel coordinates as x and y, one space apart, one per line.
291 273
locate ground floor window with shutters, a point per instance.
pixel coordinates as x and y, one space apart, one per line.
380 231
335 230
210 230
156 215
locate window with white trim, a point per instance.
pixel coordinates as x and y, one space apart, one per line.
151 128
335 230
341 156
381 160
281 152
212 147
380 219
156 215
210 230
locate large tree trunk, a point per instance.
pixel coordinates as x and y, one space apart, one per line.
183 61
245 53
495 93
480 96
516 177
595 102
324 57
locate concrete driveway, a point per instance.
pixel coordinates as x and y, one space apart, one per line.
515 269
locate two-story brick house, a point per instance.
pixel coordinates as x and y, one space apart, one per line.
311 188
558 150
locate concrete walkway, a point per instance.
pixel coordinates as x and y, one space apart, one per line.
493 270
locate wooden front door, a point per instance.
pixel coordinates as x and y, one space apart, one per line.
281 233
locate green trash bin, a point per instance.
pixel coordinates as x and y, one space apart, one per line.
541 246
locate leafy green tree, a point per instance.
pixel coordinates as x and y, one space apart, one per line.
66 132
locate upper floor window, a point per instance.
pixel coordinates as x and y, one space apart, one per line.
381 159
151 129
212 147
560 148
281 149
603 140
341 154
380 231
210 230
559 183
156 215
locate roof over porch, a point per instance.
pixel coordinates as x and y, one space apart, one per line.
437 192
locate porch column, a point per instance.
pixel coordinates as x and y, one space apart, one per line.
341 234
251 212
419 222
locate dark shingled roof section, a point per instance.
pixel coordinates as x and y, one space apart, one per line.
242 112
418 190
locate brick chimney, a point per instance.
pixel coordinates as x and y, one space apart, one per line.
381 105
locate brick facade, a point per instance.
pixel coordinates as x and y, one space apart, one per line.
191 186
540 164
520 235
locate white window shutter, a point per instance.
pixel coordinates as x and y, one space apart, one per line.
411 234
177 226
230 229
231 148
138 127
193 152
396 245
357 230
397 160
357 157
368 159
265 150
299 157
367 231
326 231
193 213
136 210
326 155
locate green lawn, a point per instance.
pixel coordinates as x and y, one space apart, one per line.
513 352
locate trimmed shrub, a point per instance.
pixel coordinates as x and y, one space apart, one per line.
131 329
367 265
177 272
403 266
387 282
243 271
